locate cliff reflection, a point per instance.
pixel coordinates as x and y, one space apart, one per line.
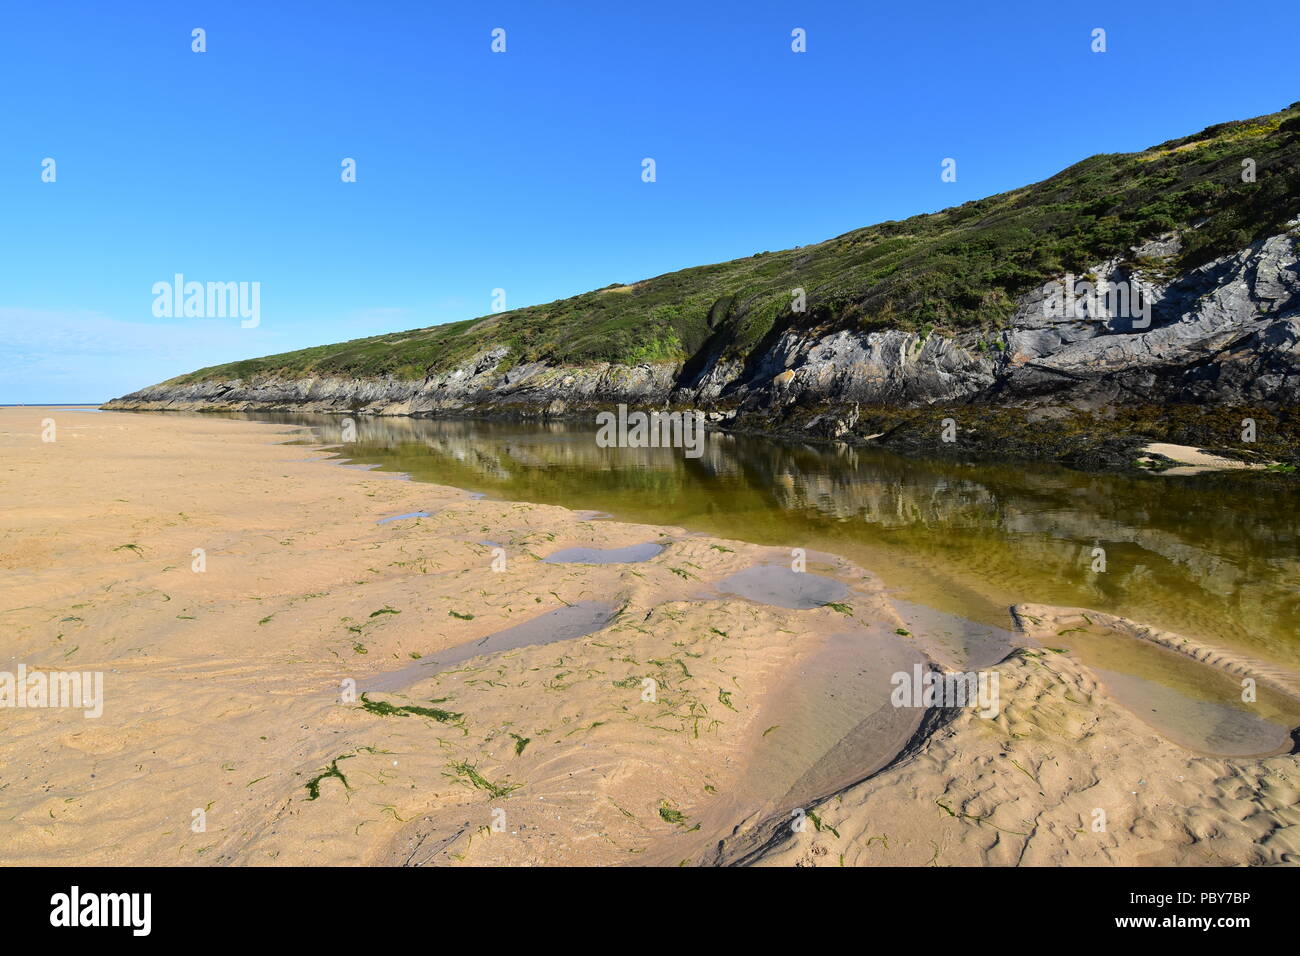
1210 555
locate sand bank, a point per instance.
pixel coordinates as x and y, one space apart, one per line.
1196 461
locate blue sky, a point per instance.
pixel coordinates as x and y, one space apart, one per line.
522 170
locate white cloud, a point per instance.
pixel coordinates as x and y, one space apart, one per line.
88 356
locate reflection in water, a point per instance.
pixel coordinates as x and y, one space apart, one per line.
782 587
1212 556
632 554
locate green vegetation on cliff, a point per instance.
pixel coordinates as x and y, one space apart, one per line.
957 268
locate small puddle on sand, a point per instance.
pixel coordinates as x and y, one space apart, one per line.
1192 704
632 554
834 720
779 586
956 642
828 725
562 624
409 514
1211 727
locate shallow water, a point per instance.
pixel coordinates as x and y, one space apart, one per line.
1214 727
632 554
1192 704
562 624
828 725
782 587
834 712
956 642
409 514
1216 557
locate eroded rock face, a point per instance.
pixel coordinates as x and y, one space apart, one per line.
890 367
1227 332
1223 333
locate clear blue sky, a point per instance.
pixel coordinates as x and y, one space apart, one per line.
522 170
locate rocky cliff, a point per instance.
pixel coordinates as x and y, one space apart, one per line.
1226 333
1005 314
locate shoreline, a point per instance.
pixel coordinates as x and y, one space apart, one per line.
1183 441
300 575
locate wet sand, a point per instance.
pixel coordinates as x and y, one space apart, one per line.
233 731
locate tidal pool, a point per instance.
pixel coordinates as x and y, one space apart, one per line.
409 514
771 584
1214 556
632 554
562 624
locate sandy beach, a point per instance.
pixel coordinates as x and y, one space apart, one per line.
273 694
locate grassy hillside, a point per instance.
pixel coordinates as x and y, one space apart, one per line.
953 269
